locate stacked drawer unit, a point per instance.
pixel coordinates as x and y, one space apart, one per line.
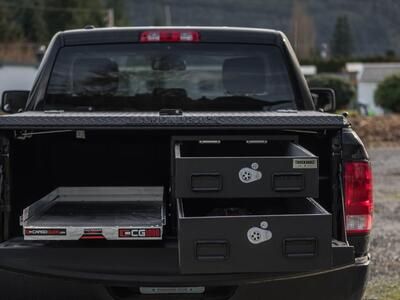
247 205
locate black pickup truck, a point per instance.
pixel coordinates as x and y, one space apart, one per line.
179 163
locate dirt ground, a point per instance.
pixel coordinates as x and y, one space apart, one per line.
378 131
384 283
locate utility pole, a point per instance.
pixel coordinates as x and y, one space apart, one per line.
110 17
165 12
167 15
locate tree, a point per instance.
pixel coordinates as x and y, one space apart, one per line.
31 19
158 13
38 20
342 41
10 30
119 12
343 89
73 14
302 31
387 94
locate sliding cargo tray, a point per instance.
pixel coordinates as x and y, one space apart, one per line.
111 213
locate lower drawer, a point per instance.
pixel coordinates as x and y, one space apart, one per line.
271 235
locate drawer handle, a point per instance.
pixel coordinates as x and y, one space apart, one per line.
288 182
300 247
206 182
212 250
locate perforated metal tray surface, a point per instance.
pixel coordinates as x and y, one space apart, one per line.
112 213
141 120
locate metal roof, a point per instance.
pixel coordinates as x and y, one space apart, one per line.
375 73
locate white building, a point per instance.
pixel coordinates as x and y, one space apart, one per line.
308 70
368 76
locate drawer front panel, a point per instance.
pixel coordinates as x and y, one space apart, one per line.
226 177
255 243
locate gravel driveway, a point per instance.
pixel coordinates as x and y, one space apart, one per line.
385 244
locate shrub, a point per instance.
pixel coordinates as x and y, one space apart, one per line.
343 89
387 94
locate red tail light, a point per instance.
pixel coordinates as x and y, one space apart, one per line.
169 36
358 197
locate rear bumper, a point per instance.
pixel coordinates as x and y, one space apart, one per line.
347 283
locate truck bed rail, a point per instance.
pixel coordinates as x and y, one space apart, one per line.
143 120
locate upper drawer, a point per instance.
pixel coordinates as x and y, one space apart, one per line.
235 169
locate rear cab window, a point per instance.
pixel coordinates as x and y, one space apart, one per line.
155 76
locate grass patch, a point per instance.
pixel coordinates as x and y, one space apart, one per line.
394 197
394 294
383 291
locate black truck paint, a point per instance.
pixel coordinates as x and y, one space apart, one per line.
198 250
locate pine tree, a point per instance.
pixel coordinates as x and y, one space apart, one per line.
342 42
